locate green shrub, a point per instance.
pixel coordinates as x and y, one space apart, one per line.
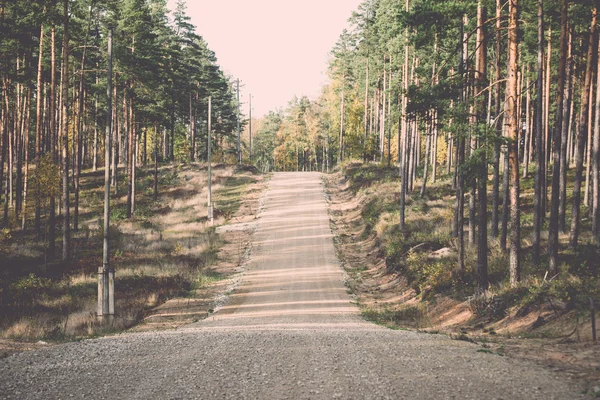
570 289
428 274
118 213
30 282
412 314
5 236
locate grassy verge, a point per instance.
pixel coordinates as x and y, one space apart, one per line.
167 250
425 256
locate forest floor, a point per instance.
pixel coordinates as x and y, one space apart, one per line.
171 264
407 281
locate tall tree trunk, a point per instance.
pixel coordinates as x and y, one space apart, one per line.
382 118
595 161
434 81
26 156
17 140
571 141
374 120
192 130
145 147
450 144
366 119
155 161
389 108
5 150
95 147
428 139
460 181
588 163
416 154
566 110
106 273
38 128
342 112
136 156
403 134
498 116
540 157
66 253
528 133
513 137
196 145
79 135
548 140
472 187
130 159
554 205
172 140
481 75
435 148
583 126
11 158
3 147
118 150
116 133
53 142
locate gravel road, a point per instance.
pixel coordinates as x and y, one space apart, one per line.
289 331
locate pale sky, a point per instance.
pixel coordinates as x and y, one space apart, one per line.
277 48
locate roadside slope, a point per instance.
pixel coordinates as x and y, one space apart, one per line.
170 263
408 280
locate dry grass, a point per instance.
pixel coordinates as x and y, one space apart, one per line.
375 252
167 250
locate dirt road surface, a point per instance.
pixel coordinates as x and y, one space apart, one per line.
289 331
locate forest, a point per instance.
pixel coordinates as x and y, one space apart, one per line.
95 89
54 102
444 182
485 116
490 107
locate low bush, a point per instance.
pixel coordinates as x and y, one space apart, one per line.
413 314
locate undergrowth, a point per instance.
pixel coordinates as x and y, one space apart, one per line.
414 251
414 315
57 301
